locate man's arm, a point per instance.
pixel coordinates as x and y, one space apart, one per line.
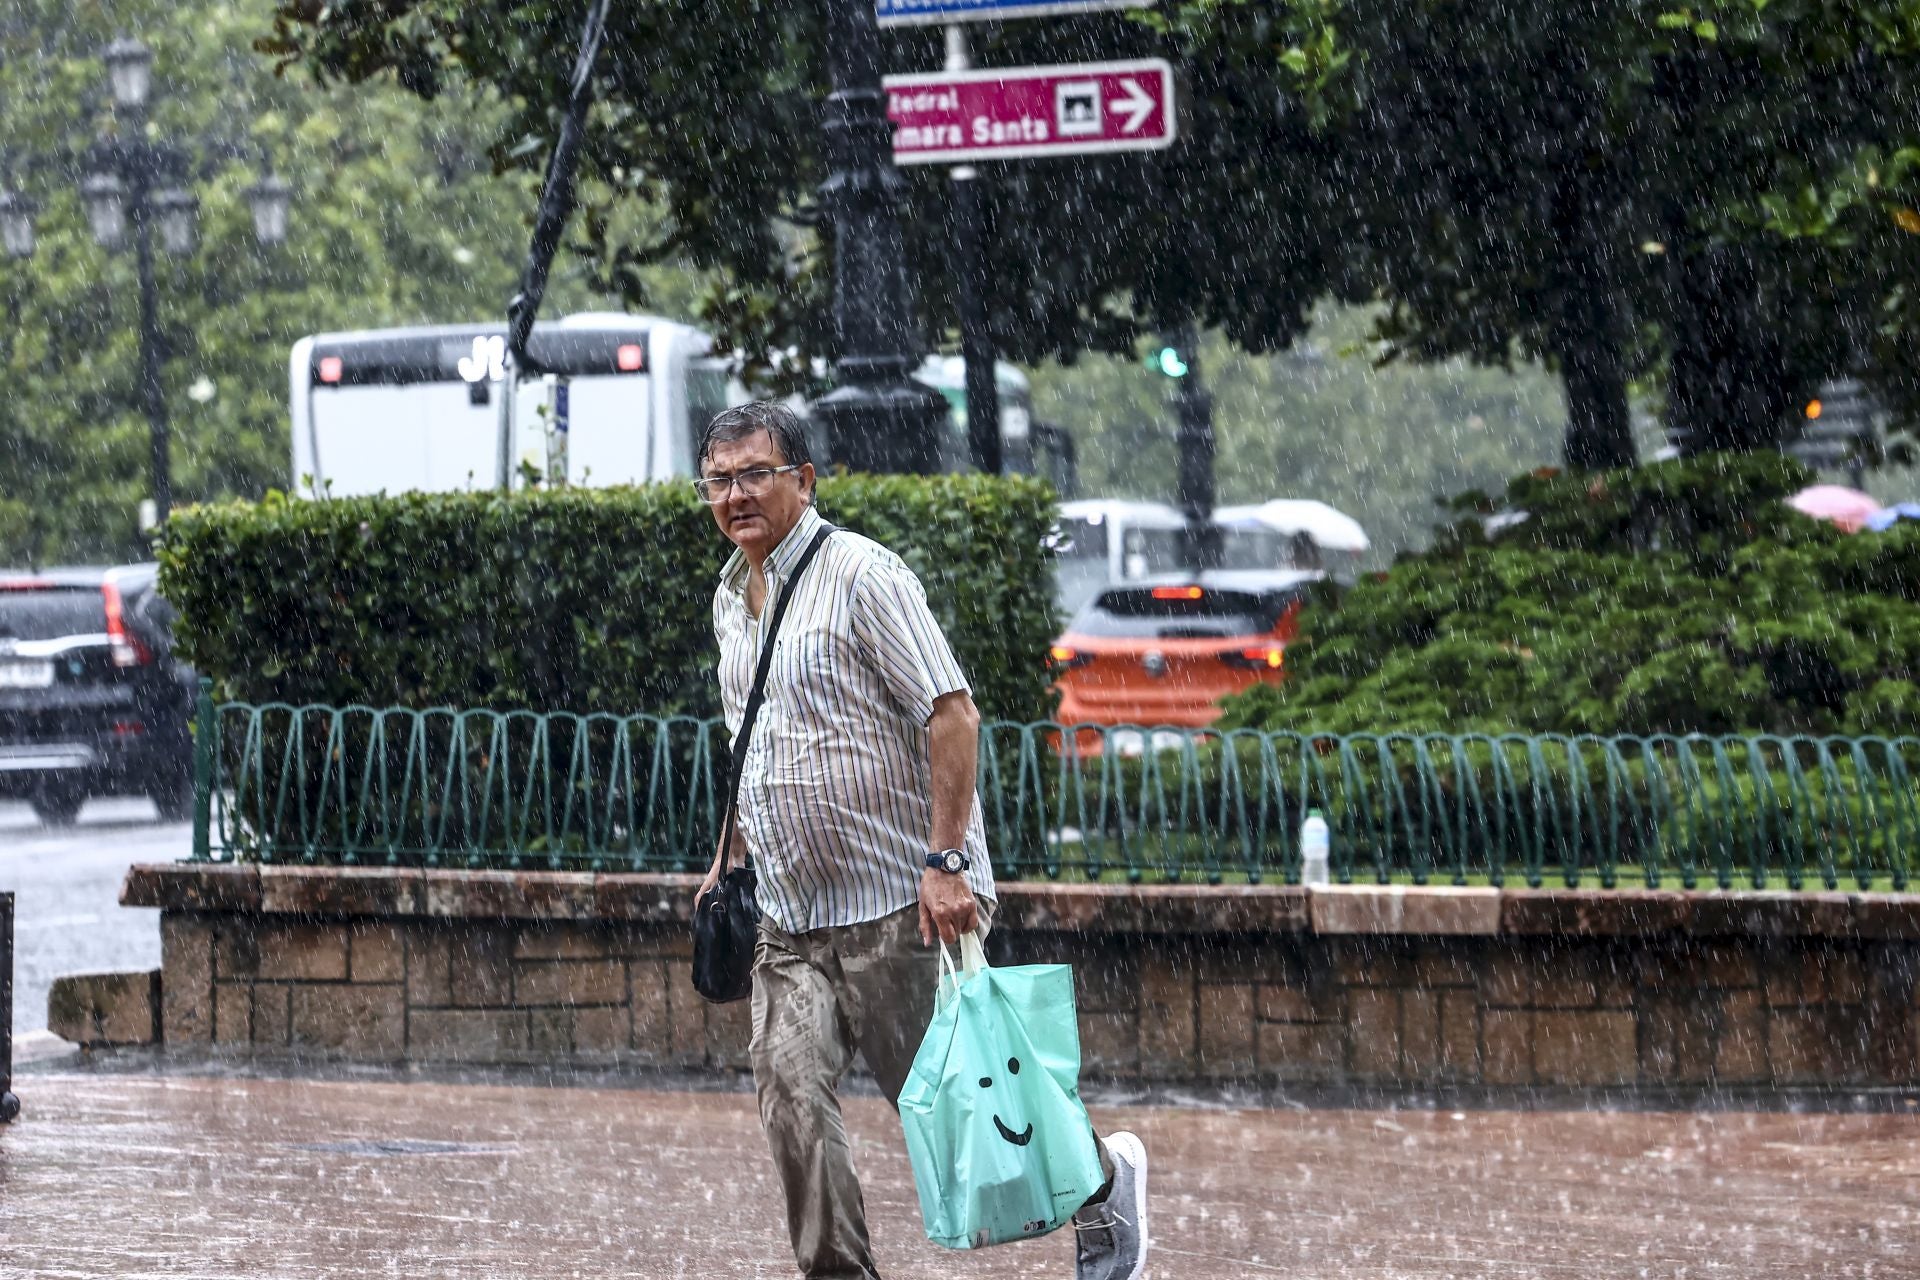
732 712
947 906
739 858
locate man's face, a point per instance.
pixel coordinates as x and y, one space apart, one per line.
756 525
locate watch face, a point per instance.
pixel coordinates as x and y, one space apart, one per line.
955 863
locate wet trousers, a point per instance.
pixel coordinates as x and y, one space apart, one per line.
817 998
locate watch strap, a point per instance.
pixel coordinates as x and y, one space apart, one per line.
938 860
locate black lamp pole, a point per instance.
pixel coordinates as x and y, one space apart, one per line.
138 181
1195 442
136 167
877 417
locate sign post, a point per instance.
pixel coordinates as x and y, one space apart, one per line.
975 284
9 1105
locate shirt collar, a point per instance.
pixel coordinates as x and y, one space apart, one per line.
780 563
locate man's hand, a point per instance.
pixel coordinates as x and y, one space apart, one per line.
947 906
713 872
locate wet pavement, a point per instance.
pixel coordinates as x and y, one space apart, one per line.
171 1175
66 882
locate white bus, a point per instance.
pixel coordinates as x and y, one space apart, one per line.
1106 541
392 410
1110 540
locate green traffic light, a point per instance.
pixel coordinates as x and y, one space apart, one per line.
1170 363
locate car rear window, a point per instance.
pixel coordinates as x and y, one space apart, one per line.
51 613
1137 611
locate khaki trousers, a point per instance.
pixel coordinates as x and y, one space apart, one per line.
818 997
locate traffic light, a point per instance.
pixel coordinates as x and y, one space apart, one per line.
1169 361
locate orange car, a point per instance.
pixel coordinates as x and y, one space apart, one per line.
1165 650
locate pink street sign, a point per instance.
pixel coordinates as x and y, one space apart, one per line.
1014 112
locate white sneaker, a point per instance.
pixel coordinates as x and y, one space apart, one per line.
1110 1238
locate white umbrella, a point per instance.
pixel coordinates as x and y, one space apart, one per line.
1331 529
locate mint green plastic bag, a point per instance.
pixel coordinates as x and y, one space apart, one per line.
1000 1142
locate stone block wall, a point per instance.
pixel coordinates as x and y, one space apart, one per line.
1433 1012
1260 985
436 990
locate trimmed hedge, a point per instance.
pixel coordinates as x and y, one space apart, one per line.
576 599
1679 597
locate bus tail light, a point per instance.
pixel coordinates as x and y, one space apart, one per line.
331 368
630 357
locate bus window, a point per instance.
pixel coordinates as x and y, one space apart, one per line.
1150 551
706 395
1081 570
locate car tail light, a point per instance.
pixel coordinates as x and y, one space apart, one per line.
1178 593
1263 657
1289 625
125 647
1066 657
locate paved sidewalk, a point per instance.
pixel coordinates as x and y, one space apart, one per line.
171 1175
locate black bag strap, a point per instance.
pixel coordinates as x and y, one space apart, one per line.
758 693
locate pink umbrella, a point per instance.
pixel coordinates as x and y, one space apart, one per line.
1848 508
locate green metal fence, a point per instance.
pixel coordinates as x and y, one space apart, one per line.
392 786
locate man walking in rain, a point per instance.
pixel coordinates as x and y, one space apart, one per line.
857 806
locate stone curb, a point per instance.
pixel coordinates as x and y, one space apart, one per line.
95 1009
1431 910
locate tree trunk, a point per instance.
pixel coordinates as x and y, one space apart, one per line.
1599 423
1587 332
1726 385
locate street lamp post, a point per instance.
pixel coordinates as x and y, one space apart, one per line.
1195 442
877 417
134 182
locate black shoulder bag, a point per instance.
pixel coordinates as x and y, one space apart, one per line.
726 920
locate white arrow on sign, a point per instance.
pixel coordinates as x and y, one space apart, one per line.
1138 102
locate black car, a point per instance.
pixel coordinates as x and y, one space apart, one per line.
92 702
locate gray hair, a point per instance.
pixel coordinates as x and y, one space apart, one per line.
744 420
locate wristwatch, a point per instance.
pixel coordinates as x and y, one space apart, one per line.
950 860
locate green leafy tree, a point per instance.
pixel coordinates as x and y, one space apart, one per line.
397 219
716 124
1589 185
1623 189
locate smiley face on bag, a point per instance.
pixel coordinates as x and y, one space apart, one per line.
1024 1136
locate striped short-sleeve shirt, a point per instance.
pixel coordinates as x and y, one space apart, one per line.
836 791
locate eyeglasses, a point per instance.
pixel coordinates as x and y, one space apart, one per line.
753 484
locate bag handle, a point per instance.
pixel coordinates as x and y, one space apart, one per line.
973 956
757 694
973 959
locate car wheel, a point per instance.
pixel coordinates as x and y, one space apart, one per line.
58 808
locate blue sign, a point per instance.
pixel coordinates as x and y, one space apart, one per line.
904 13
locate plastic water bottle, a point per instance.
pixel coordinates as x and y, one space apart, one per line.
1314 843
